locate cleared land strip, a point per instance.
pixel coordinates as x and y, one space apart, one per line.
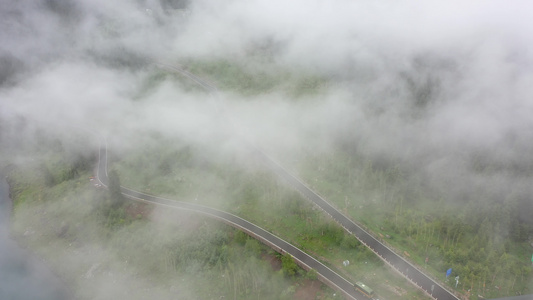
324 274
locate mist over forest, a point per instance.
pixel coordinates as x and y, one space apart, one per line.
439 90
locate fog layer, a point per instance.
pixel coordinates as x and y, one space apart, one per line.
442 88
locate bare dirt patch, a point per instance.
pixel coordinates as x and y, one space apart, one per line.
308 289
275 262
138 210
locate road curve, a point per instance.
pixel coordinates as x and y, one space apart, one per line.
409 271
324 274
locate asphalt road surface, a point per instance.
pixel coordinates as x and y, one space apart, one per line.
394 260
421 280
424 282
324 273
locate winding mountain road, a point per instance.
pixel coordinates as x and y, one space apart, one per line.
326 275
397 262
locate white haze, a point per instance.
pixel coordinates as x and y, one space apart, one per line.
477 53
66 65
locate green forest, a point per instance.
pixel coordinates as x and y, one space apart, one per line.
483 241
62 215
482 236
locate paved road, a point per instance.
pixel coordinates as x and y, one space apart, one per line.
397 262
427 284
324 273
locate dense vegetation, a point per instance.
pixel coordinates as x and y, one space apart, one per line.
484 242
241 185
484 238
91 235
252 79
